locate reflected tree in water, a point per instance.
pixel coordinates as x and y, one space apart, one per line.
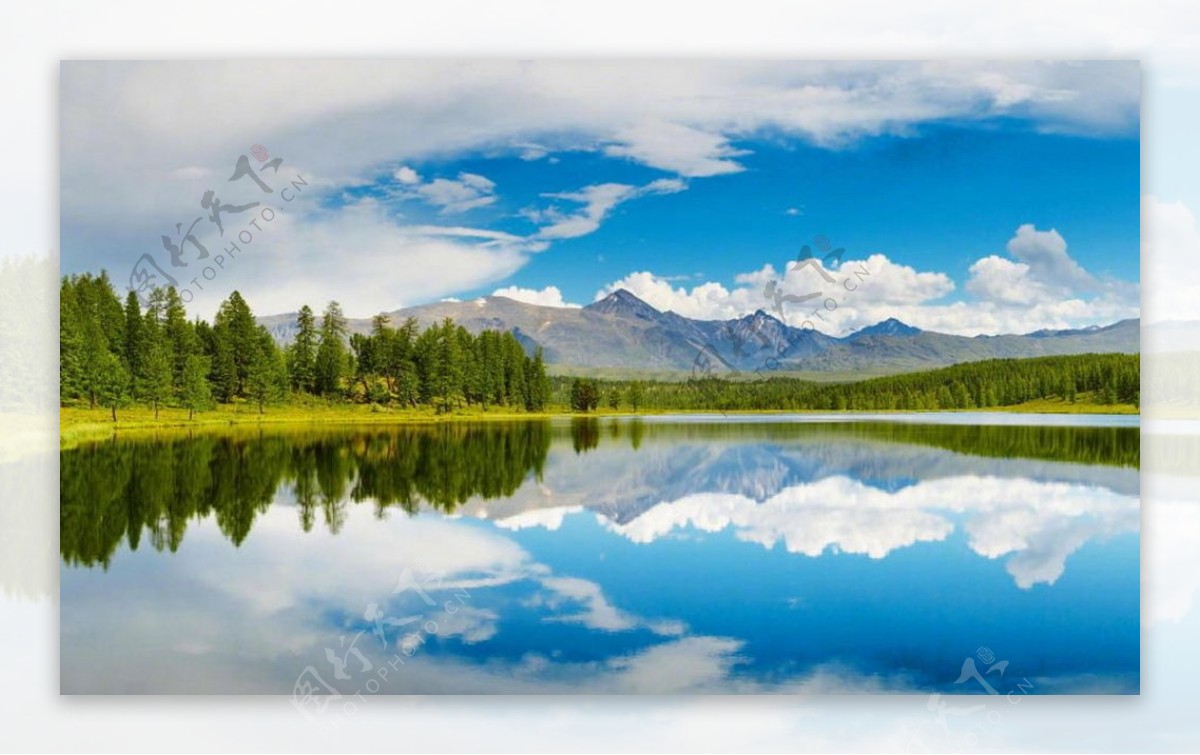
133 490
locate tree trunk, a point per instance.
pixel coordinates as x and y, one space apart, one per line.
191 413
114 412
156 408
260 408
92 396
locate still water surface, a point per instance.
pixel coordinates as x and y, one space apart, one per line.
673 555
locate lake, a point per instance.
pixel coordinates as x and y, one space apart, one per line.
961 553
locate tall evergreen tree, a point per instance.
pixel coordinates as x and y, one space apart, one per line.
134 346
111 382
237 331
153 379
331 359
182 341
302 355
266 378
71 357
197 394
537 382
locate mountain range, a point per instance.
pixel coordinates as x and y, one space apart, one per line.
623 333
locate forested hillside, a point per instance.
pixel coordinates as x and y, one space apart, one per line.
113 353
1104 379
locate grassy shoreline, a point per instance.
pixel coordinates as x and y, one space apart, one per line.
82 424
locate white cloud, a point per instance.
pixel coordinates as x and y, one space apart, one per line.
406 175
707 301
1046 254
361 249
878 283
680 149
1003 281
549 296
597 202
1043 288
467 192
467 622
596 612
1037 524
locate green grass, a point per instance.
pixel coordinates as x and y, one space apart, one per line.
81 423
1055 405
78 424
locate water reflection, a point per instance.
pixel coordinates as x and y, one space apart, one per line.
602 556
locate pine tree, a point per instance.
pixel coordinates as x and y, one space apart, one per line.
331 358
267 373
537 382
448 361
471 369
111 382
72 378
153 380
224 366
182 341
238 333
109 312
513 356
134 346
196 391
302 355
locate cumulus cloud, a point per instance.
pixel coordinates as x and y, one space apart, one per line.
1040 269
864 287
1046 254
1043 287
549 296
1003 281
406 175
1038 525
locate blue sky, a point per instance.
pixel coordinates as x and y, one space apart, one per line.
938 200
981 198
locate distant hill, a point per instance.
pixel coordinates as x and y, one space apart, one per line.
622 332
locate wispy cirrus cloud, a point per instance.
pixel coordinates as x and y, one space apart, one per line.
594 203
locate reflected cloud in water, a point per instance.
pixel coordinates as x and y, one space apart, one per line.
647 558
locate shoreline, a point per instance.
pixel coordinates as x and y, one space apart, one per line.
81 424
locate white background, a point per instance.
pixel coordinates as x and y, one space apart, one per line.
34 36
